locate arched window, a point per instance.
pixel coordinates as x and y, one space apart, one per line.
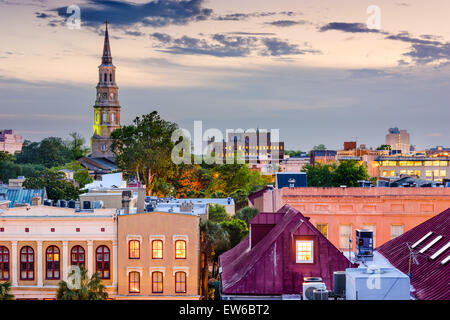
113 116
105 77
157 249
110 77
102 262
134 282
26 263
180 249
134 248
105 117
4 263
77 257
52 263
157 282
180 282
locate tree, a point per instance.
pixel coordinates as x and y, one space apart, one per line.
348 173
240 198
214 239
80 173
143 149
5 289
293 153
320 147
5 156
384 147
80 287
246 214
11 170
50 152
217 213
237 229
319 175
57 188
76 146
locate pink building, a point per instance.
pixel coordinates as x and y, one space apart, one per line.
10 142
338 212
282 249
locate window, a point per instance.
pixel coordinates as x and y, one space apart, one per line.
105 77
396 230
134 282
102 262
157 282
180 249
180 282
345 233
113 116
157 249
26 263
77 256
134 249
4 263
103 147
52 263
304 251
105 117
323 228
110 77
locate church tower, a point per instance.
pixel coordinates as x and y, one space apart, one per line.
106 108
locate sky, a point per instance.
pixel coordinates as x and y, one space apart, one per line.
322 72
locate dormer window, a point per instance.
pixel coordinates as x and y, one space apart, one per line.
304 251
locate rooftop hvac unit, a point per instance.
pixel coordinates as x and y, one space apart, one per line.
97 204
309 285
339 283
86 205
364 244
71 204
320 294
61 203
375 283
48 202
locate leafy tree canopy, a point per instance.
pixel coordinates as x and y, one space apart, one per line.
217 213
57 188
345 173
246 214
320 147
81 287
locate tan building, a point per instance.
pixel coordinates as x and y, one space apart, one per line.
10 142
159 256
39 244
398 140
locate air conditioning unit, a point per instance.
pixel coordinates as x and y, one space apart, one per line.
309 287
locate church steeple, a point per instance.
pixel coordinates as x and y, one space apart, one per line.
107 58
107 107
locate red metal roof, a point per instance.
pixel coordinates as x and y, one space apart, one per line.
269 267
429 278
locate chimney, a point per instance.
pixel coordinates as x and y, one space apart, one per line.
36 201
141 200
126 198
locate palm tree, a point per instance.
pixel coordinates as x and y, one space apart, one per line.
5 287
214 239
80 287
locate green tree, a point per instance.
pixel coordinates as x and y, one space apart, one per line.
348 173
319 175
81 287
76 146
240 198
217 213
56 187
11 170
50 152
246 214
320 147
5 289
143 149
293 153
5 156
80 173
384 147
237 229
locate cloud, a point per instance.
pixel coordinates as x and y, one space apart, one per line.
153 13
245 16
286 23
226 45
348 27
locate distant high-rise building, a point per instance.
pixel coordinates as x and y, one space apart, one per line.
10 142
398 140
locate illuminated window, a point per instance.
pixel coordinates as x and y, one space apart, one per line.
323 228
436 163
410 172
402 171
385 173
428 163
102 262
443 163
304 250
157 282
77 256
392 173
180 249
396 230
52 263
134 248
134 280
428 173
180 282
436 173
26 263
4 263
157 249
417 173
443 173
